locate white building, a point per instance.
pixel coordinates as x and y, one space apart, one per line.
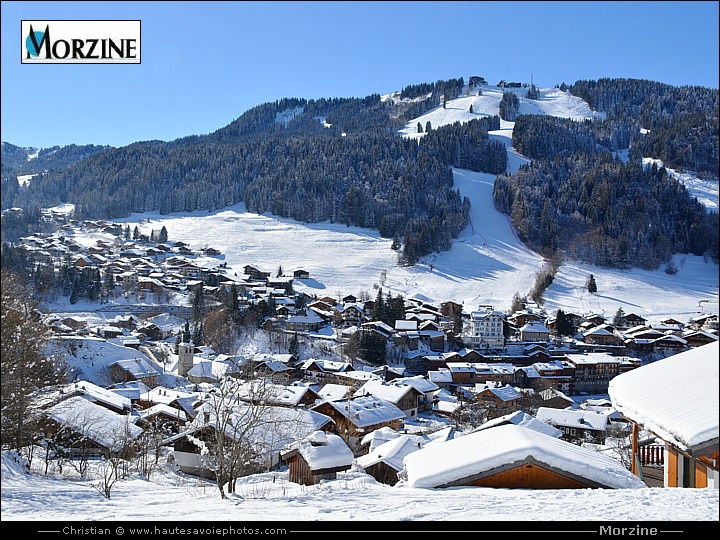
485 330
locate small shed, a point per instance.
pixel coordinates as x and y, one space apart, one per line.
317 457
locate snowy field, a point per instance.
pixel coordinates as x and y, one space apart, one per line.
352 497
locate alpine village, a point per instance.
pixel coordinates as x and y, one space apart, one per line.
156 368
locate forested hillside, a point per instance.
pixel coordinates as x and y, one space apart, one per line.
339 160
15 160
578 198
343 160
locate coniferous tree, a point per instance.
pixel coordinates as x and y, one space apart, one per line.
396 244
619 318
379 312
294 347
419 128
591 285
563 324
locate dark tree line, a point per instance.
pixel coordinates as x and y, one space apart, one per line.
680 123
605 212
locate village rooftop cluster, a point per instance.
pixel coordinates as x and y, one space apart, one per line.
449 366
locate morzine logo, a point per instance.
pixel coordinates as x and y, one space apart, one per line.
80 42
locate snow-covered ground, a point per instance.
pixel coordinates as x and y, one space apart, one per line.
177 500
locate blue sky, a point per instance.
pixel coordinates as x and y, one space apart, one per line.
205 63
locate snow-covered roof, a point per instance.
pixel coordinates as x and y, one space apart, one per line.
138 367
460 459
573 418
523 419
368 410
95 422
387 391
161 408
324 451
391 452
96 393
420 383
334 392
687 417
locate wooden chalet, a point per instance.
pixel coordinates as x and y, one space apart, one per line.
316 458
511 456
686 421
358 416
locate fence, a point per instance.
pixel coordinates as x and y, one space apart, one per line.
652 455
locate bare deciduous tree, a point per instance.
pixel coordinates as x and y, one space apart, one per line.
26 371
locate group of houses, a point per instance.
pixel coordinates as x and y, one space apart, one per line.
318 430
328 416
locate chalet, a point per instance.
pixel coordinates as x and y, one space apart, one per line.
211 371
593 371
576 425
534 331
450 309
301 274
74 323
601 335
134 369
511 456
318 457
323 370
264 390
170 397
353 314
686 422
385 461
557 374
632 319
356 417
95 394
274 370
521 318
255 273
378 327
82 261
669 345
388 373
426 388
109 332
501 399
467 374
276 428
699 338
404 396
162 417
305 320
148 284
83 428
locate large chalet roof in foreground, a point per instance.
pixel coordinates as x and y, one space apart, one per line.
472 457
686 417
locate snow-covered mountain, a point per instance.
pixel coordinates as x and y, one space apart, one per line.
487 263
